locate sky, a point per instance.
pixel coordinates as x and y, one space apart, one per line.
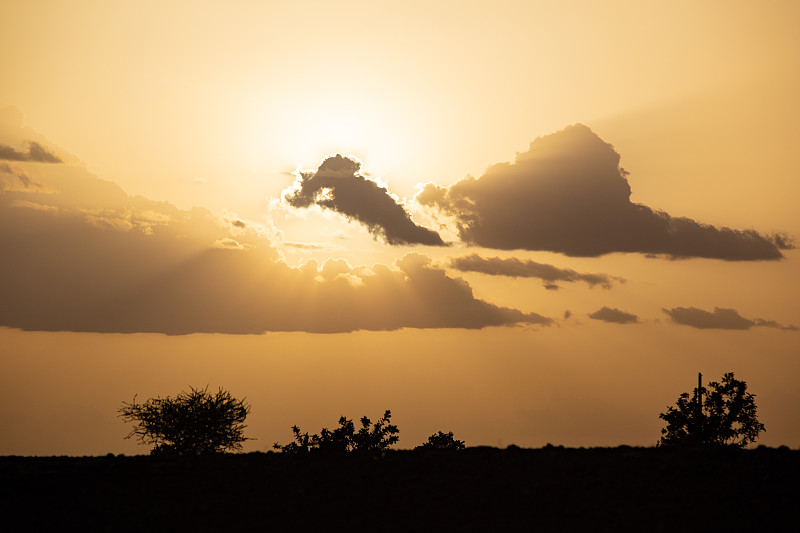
523 222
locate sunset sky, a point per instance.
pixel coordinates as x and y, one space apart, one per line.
523 222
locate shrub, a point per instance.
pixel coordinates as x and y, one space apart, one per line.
369 439
442 441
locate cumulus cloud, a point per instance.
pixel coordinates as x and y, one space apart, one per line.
142 266
614 315
720 318
339 185
568 194
514 267
36 153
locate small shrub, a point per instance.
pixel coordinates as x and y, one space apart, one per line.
442 441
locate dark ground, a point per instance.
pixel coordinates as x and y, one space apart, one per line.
477 489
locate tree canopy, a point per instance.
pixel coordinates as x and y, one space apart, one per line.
724 414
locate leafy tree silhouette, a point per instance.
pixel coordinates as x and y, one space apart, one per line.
369 439
726 417
442 441
193 423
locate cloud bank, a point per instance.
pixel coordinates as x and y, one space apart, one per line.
91 258
514 267
614 315
721 318
338 185
568 194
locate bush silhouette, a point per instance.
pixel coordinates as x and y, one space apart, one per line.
369 439
194 423
442 441
722 415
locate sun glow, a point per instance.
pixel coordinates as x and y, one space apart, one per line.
314 123
339 127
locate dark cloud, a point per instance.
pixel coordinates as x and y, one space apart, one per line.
720 319
773 324
783 241
338 185
237 225
568 194
36 153
143 266
611 314
514 267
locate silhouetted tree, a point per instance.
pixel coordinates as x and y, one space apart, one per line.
724 414
194 423
442 441
369 439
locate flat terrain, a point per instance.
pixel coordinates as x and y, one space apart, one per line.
479 489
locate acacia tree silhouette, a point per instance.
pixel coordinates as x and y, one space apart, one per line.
368 440
722 415
194 423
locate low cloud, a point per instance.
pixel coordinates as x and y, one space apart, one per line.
613 315
568 194
514 267
720 318
339 185
36 153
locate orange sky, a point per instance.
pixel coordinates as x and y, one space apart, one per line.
170 216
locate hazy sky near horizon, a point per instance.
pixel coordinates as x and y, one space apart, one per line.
543 220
